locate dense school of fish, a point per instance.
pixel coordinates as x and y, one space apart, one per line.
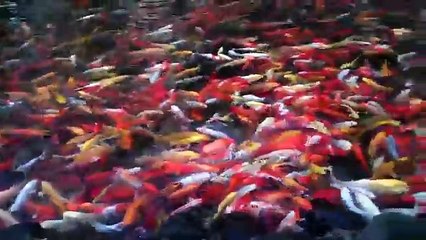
298 132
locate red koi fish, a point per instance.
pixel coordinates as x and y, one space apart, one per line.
356 148
184 192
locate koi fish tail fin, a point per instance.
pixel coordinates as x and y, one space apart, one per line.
419 206
416 209
420 197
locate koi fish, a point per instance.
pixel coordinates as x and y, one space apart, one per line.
30 164
132 213
108 82
24 195
377 139
79 217
384 169
377 186
225 203
183 138
190 204
196 178
92 155
54 196
98 73
289 222
367 208
180 156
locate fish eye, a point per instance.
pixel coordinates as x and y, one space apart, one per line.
269 178
176 184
